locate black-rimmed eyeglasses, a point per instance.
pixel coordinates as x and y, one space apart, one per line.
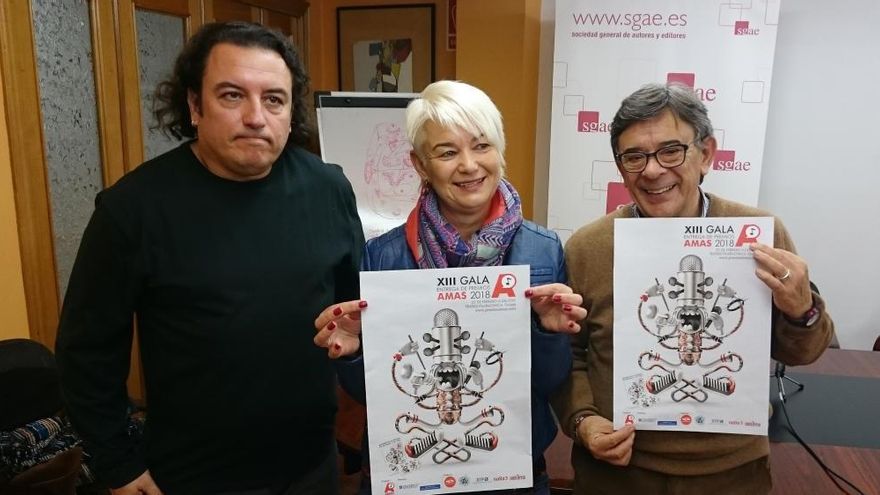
670 156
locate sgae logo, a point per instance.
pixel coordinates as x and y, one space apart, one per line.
741 28
588 121
689 79
725 160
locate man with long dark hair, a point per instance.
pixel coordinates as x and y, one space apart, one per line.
224 250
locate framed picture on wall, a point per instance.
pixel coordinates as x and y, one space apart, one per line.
385 49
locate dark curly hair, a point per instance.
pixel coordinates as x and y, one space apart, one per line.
170 106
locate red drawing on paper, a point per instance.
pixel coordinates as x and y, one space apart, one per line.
392 182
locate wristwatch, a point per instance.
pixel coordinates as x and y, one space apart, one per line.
577 423
809 318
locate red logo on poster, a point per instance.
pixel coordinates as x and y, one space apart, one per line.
629 419
449 481
504 285
685 419
749 234
389 488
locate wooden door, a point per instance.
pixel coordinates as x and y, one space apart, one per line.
290 17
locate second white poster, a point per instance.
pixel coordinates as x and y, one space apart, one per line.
691 325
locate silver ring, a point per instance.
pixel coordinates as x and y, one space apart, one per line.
785 277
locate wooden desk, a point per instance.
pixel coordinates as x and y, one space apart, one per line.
793 470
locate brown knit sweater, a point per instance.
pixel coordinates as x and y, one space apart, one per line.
590 258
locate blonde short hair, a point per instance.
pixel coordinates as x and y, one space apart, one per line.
455 104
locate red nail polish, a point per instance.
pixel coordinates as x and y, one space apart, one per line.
529 292
362 304
557 298
566 307
337 347
337 311
571 324
331 326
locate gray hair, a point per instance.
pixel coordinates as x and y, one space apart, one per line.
455 104
653 99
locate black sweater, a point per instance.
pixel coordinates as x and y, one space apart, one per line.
224 279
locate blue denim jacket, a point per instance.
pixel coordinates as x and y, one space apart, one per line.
551 355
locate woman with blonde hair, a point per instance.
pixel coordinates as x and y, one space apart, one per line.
468 214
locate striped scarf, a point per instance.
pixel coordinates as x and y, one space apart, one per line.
435 243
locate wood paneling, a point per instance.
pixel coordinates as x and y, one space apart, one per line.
232 10
107 91
293 8
172 7
279 21
130 98
21 90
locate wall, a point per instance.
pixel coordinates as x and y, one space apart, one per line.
821 159
323 68
13 309
498 52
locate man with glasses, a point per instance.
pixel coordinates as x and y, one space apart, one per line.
663 145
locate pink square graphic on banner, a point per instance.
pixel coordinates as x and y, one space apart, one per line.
617 196
686 78
740 26
588 121
722 156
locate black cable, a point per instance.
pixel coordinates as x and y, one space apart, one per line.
832 474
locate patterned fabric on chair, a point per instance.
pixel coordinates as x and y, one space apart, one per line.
58 476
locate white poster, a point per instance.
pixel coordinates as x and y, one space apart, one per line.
606 49
691 325
447 359
364 134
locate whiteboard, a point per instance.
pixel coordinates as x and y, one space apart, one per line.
364 133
